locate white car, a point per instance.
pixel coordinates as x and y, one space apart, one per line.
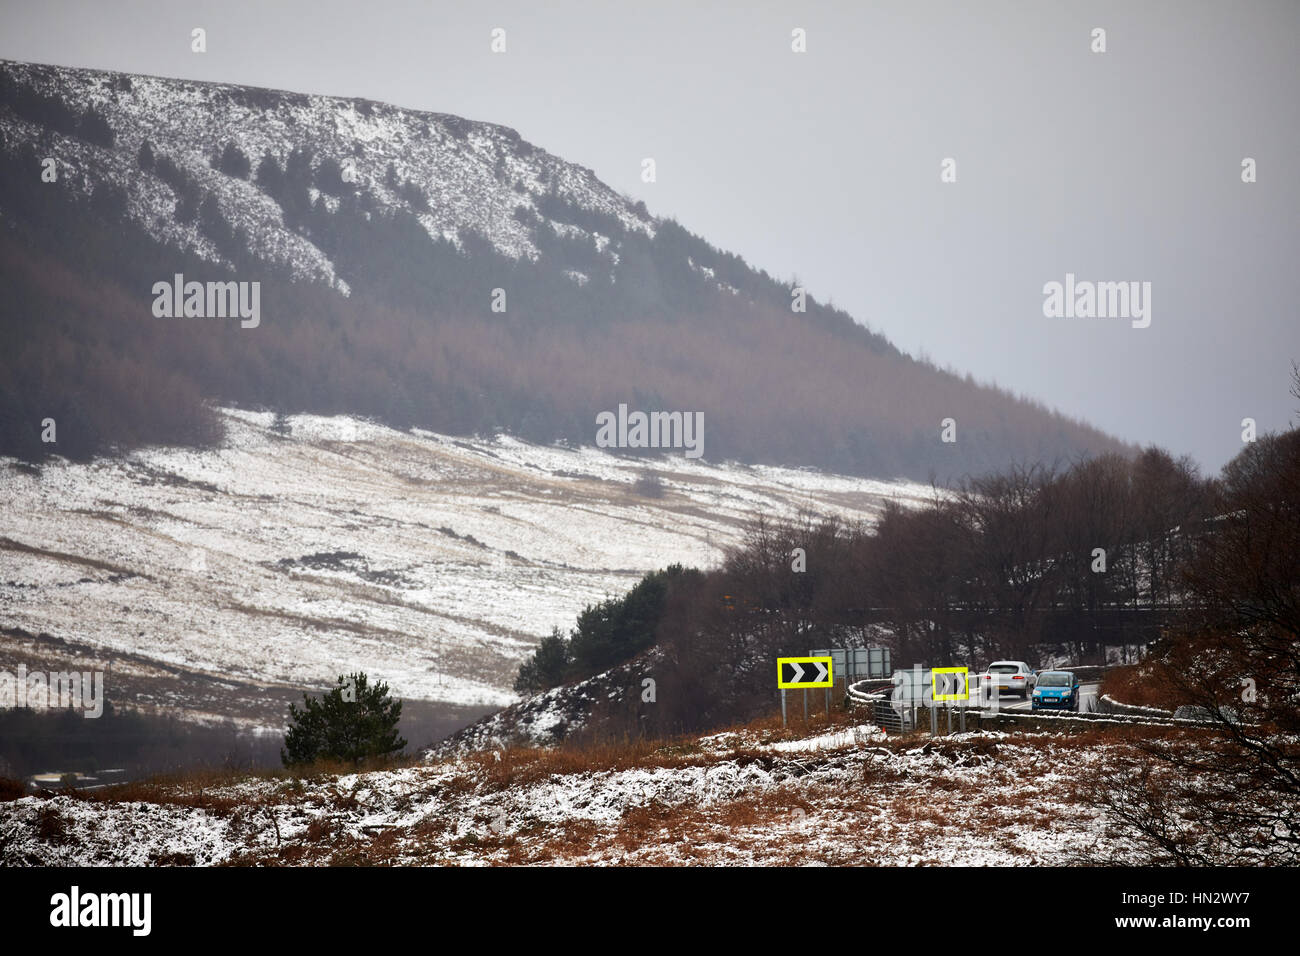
1007 677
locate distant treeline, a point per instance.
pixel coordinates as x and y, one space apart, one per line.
606 634
1005 565
418 345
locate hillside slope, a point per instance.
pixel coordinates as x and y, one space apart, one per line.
214 583
423 270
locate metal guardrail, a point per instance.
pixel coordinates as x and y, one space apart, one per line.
864 690
1134 710
874 695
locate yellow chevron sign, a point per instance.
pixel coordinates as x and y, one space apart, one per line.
804 672
949 683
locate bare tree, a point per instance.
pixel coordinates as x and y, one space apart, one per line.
1231 795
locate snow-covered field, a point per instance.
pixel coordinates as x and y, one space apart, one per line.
852 797
276 561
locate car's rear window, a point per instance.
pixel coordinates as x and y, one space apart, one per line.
1004 669
1054 680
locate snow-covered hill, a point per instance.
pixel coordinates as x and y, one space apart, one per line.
209 581
473 175
479 283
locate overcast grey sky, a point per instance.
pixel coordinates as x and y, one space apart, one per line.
1123 165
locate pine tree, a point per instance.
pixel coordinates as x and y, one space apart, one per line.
94 128
213 224
547 666
353 722
329 177
233 162
270 177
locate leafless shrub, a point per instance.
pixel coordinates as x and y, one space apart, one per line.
1232 797
649 485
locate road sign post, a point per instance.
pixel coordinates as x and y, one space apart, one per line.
950 685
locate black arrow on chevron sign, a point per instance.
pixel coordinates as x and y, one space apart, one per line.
948 685
802 673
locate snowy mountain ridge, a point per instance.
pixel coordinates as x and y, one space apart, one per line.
475 175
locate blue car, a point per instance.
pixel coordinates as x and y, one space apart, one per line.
1057 690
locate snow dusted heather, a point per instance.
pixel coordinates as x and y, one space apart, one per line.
541 720
840 798
550 717
852 737
433 563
